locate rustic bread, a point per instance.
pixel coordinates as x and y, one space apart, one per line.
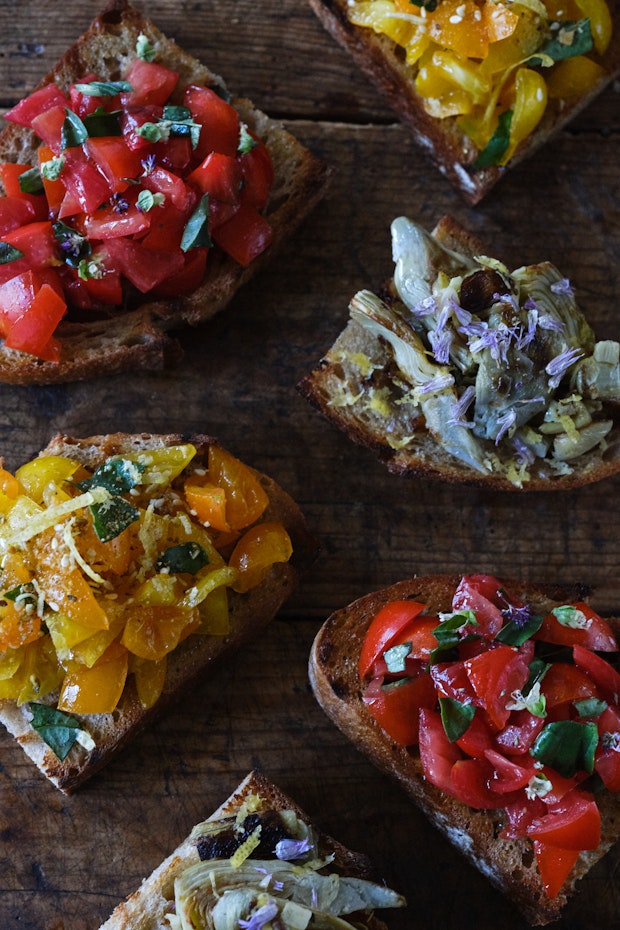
145 909
441 139
140 337
356 388
197 655
334 676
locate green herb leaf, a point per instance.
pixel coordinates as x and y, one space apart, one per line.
60 731
186 558
497 144
112 517
571 37
103 123
30 182
26 592
396 656
449 633
246 140
117 475
570 617
196 233
455 717
9 253
52 168
104 88
590 707
567 746
73 132
147 200
515 632
145 48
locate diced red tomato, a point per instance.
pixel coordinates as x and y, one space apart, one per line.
37 243
607 756
384 631
554 865
46 98
476 739
452 681
471 780
85 104
32 330
175 154
145 268
10 174
565 684
438 755
220 176
396 707
600 671
520 731
218 119
574 824
132 119
473 593
245 236
165 227
114 160
257 170
598 635
83 182
187 278
507 774
14 212
174 189
54 190
494 675
152 84
112 221
48 127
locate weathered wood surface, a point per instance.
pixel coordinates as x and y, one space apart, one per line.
66 862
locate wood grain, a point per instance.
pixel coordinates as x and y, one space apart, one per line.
66 862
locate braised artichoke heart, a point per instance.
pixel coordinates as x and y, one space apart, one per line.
501 366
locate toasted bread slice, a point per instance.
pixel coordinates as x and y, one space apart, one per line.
139 335
147 908
361 386
195 656
441 139
334 675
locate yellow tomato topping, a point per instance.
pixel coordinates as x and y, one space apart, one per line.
104 574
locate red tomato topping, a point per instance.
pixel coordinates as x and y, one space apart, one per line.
127 168
501 720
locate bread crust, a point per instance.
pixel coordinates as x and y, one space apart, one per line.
145 908
196 656
141 336
380 59
423 456
334 676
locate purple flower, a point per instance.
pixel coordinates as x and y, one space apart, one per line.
558 366
148 164
504 423
426 307
260 917
551 323
463 317
119 204
518 615
441 342
563 287
293 849
523 453
461 406
436 384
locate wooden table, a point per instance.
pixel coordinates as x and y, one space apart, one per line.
66 862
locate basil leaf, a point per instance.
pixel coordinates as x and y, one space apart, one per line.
30 182
196 233
116 475
449 633
567 746
497 144
73 132
176 114
8 253
112 517
247 142
145 50
517 632
103 123
60 731
395 657
73 245
455 717
590 707
187 558
104 88
571 37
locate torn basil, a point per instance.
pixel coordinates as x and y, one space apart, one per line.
186 558
104 88
8 253
455 717
570 38
567 746
497 144
449 634
516 632
112 517
73 132
30 182
103 123
58 730
196 233
116 475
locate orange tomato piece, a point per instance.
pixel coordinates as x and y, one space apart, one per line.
65 587
246 498
96 690
459 25
150 678
499 21
114 556
9 485
153 630
208 502
257 551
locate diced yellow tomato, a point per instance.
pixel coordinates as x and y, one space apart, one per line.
152 631
214 613
18 626
257 551
574 77
37 475
458 25
150 678
529 105
379 16
440 96
465 76
96 690
64 586
9 484
601 23
37 675
500 21
246 498
162 466
161 590
208 502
